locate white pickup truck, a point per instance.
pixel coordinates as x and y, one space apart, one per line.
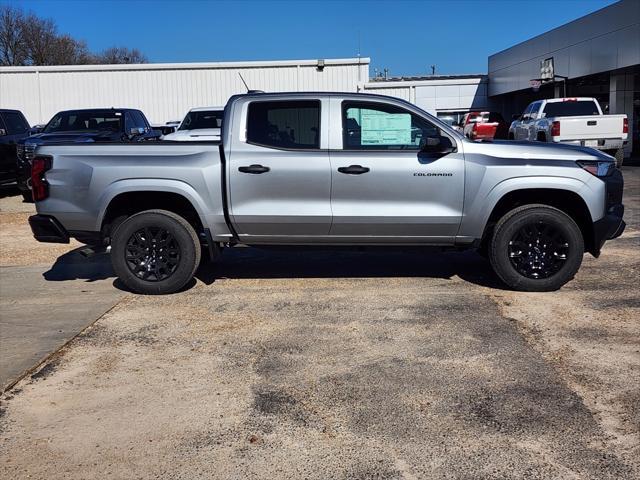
577 121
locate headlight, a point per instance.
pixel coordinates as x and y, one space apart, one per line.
597 168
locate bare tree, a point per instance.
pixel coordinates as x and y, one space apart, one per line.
12 48
30 40
68 51
119 55
39 36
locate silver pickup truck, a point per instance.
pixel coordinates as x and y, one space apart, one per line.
329 169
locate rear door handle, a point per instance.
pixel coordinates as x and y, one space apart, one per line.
255 169
592 122
354 169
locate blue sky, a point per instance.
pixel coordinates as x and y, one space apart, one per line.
404 36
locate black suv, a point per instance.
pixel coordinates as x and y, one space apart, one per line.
13 128
104 125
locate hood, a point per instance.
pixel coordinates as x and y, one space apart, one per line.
80 137
202 134
509 149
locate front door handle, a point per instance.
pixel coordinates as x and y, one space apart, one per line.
255 169
354 169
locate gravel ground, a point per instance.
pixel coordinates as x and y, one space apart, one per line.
17 245
346 365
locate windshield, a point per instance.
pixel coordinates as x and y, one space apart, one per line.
202 119
576 108
85 121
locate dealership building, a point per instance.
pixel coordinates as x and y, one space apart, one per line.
597 55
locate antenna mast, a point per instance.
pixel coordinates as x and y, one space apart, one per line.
245 83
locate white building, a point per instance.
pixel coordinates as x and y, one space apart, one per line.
167 91
448 96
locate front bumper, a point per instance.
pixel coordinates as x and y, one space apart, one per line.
611 225
48 229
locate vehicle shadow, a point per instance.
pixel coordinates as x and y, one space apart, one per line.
74 265
255 263
9 191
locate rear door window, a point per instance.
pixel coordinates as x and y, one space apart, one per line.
284 124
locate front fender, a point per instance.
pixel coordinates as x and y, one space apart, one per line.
476 216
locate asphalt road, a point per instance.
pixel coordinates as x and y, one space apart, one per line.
346 365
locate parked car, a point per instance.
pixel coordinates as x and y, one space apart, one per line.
575 121
200 124
104 125
13 128
329 169
486 126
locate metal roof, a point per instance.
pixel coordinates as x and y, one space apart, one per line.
188 66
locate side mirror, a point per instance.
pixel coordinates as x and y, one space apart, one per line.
516 116
3 132
437 144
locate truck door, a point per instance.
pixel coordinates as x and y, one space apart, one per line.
279 172
397 177
531 133
522 127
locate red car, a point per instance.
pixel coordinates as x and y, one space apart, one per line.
484 126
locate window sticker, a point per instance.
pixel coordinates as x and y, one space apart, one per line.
382 128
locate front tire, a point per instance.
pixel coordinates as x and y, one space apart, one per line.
536 248
155 252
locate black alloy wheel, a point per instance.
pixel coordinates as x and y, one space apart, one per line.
152 254
538 250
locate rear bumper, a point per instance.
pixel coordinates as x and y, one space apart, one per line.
48 229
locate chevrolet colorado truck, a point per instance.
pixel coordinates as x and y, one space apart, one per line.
575 121
329 169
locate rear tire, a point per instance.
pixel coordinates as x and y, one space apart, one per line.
619 156
536 248
27 196
155 252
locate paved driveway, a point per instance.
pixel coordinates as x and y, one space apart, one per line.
346 365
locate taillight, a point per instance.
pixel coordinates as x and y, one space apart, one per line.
625 125
39 184
555 129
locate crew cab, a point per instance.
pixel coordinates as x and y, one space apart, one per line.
329 169
13 128
102 125
575 121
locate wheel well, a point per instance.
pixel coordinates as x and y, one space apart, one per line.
126 204
570 203
541 137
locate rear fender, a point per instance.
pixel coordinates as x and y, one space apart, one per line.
151 185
